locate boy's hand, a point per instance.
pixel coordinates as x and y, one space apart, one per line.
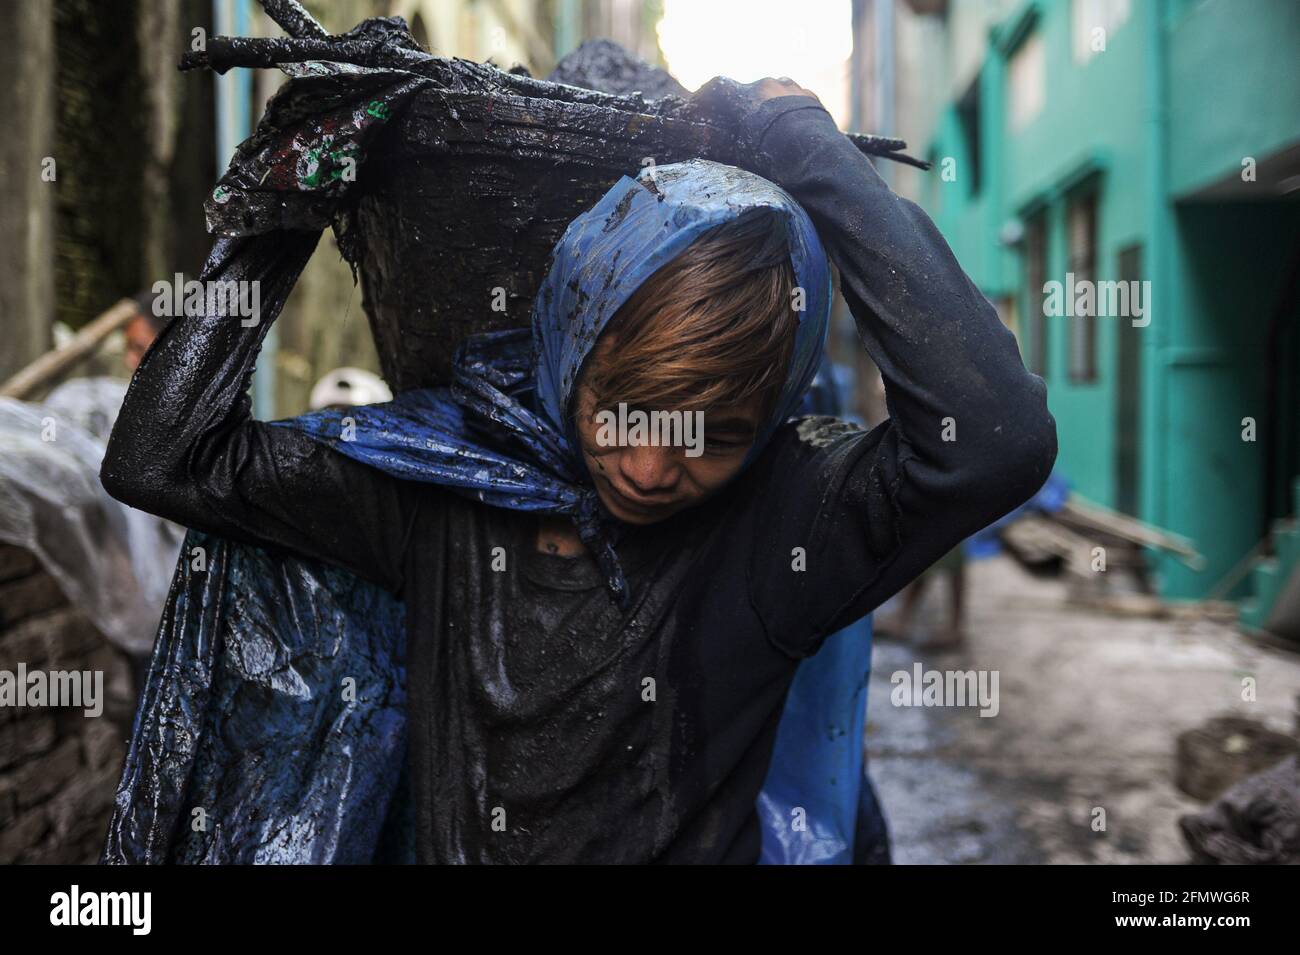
724 102
770 88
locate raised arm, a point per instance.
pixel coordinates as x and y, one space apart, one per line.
969 436
939 344
185 446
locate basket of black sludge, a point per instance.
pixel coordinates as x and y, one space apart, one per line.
447 182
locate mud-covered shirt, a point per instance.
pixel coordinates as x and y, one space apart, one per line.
546 725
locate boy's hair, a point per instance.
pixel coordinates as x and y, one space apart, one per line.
713 327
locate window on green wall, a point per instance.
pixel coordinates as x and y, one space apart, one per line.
1128 393
1035 263
1026 82
968 114
1091 24
1081 245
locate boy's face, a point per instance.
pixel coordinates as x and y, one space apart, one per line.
641 483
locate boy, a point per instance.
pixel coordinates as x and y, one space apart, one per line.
549 722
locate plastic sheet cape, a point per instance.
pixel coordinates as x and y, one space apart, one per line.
111 561
818 775
272 725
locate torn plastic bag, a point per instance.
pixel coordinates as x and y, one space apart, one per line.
272 726
112 562
810 804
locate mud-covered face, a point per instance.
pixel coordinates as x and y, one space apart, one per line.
649 465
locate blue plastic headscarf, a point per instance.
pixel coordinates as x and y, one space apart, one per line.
637 228
501 432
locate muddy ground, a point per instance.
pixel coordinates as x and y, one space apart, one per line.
1089 709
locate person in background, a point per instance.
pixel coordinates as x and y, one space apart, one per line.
141 330
901 625
345 387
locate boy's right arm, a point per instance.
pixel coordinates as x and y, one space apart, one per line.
186 447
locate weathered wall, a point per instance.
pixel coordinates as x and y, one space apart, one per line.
134 147
1182 91
94 88
98 193
58 768
26 202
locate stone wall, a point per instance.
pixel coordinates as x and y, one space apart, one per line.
58 767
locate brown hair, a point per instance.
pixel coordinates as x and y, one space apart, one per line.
713 327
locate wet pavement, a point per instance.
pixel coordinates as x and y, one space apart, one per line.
1089 708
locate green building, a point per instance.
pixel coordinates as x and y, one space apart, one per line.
1150 142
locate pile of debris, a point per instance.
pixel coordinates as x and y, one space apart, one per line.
1254 774
1101 554
1101 551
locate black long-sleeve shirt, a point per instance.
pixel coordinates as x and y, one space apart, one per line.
586 733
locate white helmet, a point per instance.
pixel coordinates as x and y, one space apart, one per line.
344 387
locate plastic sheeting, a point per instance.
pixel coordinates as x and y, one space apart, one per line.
272 726
112 562
810 805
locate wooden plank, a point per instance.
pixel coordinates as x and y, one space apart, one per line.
82 345
1084 514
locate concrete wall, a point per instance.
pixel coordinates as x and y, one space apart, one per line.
1086 125
93 90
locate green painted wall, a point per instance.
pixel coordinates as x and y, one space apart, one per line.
1088 121
1229 260
1233 59
1182 91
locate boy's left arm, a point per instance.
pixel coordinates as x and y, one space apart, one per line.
969 437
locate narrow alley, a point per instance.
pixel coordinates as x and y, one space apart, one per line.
1090 707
